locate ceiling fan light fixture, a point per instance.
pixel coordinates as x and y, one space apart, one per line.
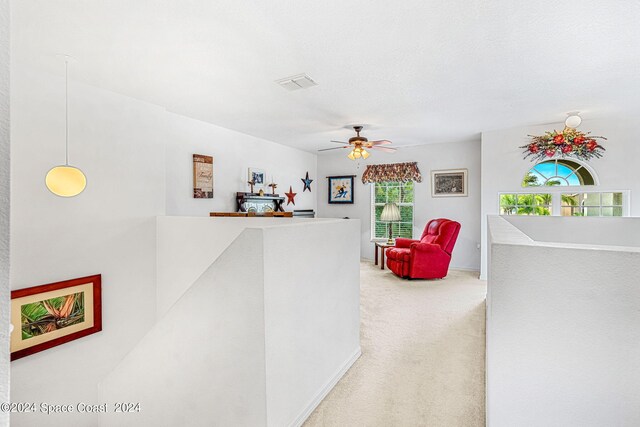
360 144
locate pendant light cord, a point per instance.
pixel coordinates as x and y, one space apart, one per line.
66 111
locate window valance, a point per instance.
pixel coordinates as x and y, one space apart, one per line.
399 172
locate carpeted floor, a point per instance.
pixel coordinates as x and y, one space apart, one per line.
422 363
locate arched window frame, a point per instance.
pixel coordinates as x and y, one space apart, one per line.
558 192
574 171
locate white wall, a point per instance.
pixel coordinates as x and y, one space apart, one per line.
253 341
465 210
233 154
589 230
312 314
4 207
503 167
563 331
108 229
125 147
182 260
205 354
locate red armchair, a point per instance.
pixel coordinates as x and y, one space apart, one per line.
429 257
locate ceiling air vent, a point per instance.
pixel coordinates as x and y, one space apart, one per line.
300 81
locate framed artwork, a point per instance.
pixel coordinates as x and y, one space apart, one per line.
258 177
202 177
449 183
46 316
341 189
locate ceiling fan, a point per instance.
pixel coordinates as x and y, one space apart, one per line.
359 144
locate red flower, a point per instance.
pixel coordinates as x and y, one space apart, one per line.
550 152
578 140
558 139
533 148
566 148
591 145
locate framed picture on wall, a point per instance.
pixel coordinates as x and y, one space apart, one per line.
202 177
449 183
341 189
258 177
46 316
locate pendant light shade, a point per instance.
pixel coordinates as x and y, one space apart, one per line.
66 180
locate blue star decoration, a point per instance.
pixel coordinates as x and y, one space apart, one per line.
307 183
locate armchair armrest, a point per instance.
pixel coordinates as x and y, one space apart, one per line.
430 250
428 260
401 242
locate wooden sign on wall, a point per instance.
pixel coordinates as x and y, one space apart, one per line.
202 177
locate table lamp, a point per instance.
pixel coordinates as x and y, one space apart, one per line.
390 213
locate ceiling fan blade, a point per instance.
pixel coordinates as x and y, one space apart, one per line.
337 148
380 142
339 142
386 149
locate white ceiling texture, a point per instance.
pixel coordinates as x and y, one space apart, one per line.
415 71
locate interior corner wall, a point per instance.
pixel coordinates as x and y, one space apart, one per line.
503 166
233 154
138 161
108 229
458 155
4 207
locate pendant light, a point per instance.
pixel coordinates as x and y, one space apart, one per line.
66 180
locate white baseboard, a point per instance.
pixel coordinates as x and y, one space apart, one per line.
472 270
325 389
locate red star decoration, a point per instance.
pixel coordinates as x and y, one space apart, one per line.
290 196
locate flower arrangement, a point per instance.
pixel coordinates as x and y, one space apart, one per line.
568 143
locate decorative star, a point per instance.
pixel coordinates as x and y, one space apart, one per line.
307 183
290 196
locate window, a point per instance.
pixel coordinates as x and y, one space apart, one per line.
592 204
560 172
525 204
400 193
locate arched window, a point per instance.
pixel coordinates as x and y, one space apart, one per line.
561 172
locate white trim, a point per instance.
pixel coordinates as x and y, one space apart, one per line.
372 203
325 389
594 175
469 269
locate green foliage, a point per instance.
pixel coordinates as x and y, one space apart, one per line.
525 204
402 194
530 180
44 316
34 311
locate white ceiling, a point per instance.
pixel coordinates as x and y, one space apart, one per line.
417 71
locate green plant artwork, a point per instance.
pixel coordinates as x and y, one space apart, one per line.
48 315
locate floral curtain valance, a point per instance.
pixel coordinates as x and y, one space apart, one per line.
399 172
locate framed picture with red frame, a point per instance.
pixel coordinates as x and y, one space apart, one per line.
48 315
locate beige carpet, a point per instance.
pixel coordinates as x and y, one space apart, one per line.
422 360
